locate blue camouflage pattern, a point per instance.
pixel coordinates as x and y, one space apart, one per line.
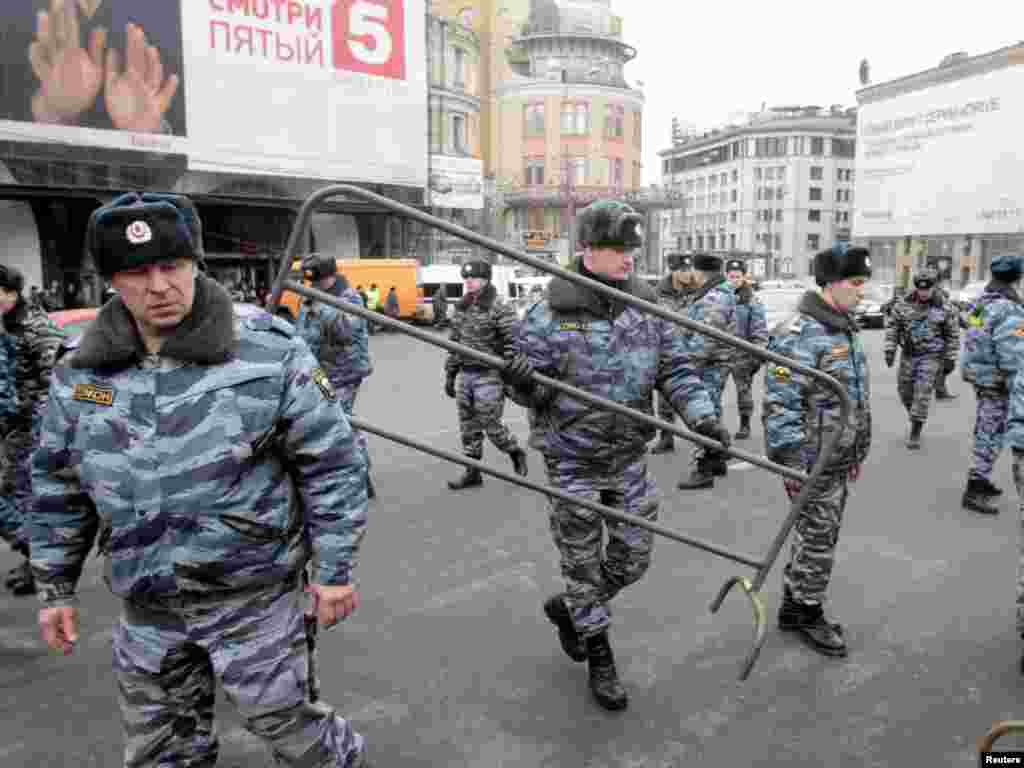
752 327
480 398
10 520
8 386
200 478
815 535
340 341
675 292
928 336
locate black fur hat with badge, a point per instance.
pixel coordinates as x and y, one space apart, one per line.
736 265
477 269
679 261
140 233
707 262
841 262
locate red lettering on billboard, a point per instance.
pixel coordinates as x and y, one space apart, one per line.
314 19
285 51
239 5
243 36
214 6
314 50
369 37
223 25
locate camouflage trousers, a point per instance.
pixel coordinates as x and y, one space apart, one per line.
916 383
714 383
16 487
1018 480
480 397
989 430
595 572
743 374
347 394
167 661
815 534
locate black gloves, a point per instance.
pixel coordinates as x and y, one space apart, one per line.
890 357
449 386
710 428
516 373
948 366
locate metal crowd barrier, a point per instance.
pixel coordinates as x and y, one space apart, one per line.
762 566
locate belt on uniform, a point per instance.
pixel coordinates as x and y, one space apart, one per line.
182 600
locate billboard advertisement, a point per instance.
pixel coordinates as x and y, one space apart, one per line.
456 182
326 89
943 161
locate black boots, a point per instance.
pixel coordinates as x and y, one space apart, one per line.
371 492
977 497
518 457
743 433
604 678
702 475
914 438
666 443
558 614
824 636
990 488
471 478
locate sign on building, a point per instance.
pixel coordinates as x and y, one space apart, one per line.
272 87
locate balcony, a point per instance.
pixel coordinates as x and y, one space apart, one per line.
558 196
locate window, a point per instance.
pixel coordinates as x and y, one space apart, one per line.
534 173
459 135
638 129
814 214
780 173
617 172
732 217
575 119
778 242
713 182
732 196
813 242
735 176
613 121
780 193
770 147
818 173
459 68
839 195
769 174
844 147
732 242
576 170
814 193
778 214
534 119
724 179
700 242
757 174
817 146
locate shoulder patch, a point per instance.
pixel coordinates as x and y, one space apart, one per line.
781 374
90 393
324 383
572 325
264 321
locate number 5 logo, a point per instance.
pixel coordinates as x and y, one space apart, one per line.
369 37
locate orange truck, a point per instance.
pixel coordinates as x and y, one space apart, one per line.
400 273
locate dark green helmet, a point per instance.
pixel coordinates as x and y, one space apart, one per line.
610 224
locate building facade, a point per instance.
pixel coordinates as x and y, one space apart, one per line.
776 188
942 177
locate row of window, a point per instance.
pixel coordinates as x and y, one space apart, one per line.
765 240
451 133
764 215
773 146
575 121
761 173
577 170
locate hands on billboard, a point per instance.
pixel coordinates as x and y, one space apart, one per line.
70 77
138 97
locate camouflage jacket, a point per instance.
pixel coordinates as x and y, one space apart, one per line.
923 328
713 304
751 324
484 323
612 351
675 297
220 464
8 386
340 341
995 324
37 342
800 412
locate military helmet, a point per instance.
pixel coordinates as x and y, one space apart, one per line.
610 224
320 265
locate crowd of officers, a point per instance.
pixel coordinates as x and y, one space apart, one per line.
208 452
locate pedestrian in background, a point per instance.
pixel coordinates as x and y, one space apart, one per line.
208 500
752 327
800 413
675 291
992 320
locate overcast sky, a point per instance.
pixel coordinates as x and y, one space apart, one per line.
703 61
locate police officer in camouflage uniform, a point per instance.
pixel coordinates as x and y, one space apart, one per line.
210 458
674 293
8 401
752 327
482 321
714 304
942 392
1011 345
341 342
929 339
608 349
36 342
997 314
799 413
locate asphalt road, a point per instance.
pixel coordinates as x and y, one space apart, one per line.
449 661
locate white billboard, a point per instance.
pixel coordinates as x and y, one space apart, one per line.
325 89
456 182
946 160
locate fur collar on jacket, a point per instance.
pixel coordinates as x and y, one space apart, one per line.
814 305
564 296
484 299
712 281
206 337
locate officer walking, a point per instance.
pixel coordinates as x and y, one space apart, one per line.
1011 344
8 402
997 313
212 457
482 321
800 413
674 293
714 304
622 354
36 343
752 327
942 392
339 341
929 339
